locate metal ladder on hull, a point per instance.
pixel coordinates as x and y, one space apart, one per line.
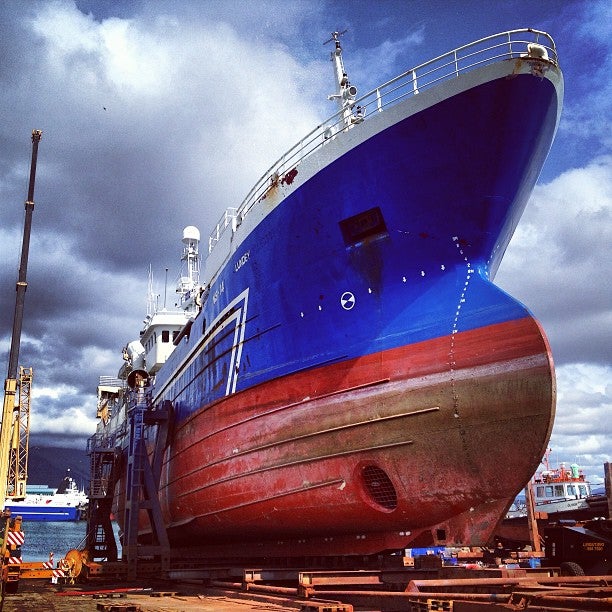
142 476
140 473
100 539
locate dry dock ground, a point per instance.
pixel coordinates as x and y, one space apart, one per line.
40 596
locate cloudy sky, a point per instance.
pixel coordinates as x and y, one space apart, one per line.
160 114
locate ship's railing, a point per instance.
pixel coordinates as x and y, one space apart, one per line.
111 381
514 44
101 441
227 220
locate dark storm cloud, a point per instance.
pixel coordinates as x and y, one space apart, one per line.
150 123
130 116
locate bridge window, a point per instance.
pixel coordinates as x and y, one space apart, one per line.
549 491
583 490
571 490
558 490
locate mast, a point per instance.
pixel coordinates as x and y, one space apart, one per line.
151 298
345 92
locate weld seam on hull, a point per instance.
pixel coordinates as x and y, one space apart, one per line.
522 363
482 371
307 460
301 402
311 487
305 436
327 431
403 386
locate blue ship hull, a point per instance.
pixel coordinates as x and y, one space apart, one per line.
41 513
448 186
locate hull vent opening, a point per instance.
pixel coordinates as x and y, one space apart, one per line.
379 487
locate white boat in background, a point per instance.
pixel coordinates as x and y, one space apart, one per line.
562 491
559 494
67 503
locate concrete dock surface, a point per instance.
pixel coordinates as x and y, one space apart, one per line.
36 595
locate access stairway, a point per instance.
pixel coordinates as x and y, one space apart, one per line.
139 472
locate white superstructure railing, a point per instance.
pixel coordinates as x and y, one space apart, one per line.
524 43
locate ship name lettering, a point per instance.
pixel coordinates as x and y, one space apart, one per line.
243 259
218 292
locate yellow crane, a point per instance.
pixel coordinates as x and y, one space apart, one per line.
18 457
14 428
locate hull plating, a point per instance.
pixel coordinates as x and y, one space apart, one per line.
412 452
354 373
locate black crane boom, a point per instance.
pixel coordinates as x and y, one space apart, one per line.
22 284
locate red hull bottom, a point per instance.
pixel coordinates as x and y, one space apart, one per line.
425 444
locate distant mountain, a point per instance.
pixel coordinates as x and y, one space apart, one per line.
48 465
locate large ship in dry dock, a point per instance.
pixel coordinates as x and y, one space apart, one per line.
341 373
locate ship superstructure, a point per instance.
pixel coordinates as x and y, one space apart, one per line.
163 326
